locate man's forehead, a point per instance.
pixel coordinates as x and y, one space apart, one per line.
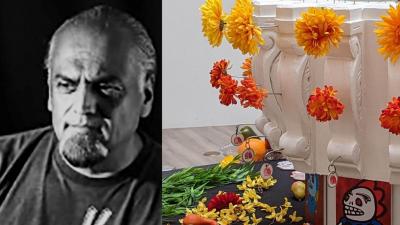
85 51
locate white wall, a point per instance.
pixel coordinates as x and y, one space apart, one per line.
188 100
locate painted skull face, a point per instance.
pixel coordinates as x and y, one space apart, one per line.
359 204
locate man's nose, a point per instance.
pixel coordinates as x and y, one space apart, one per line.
85 100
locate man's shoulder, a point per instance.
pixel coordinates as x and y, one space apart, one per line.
13 145
18 139
151 159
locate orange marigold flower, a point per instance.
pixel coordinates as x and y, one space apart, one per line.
228 90
323 105
390 117
219 69
250 95
317 29
246 66
388 33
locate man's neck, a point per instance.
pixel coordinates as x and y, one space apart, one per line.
118 159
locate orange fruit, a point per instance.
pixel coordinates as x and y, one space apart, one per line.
257 145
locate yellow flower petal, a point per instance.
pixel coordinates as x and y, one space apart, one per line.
241 31
388 34
213 21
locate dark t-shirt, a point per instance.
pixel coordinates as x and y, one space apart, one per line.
38 188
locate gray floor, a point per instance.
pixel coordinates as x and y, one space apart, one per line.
186 147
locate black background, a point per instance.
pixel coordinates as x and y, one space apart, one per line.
25 30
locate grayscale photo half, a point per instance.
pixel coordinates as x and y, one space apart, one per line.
80 121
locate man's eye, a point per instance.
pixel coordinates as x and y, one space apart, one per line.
65 86
111 90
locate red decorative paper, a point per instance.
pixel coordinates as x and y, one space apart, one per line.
363 202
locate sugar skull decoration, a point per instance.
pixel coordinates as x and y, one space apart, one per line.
362 204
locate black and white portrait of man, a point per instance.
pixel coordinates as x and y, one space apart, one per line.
97 162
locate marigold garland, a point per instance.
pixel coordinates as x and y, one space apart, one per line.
390 116
246 66
219 69
388 34
250 95
241 31
213 21
323 104
317 29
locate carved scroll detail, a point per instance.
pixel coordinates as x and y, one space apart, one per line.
264 65
343 71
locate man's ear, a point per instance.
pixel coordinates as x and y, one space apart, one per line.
49 100
148 91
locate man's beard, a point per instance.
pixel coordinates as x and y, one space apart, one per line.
83 149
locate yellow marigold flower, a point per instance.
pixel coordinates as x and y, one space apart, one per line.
227 161
317 29
241 31
388 34
213 21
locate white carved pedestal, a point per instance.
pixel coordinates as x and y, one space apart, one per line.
294 74
365 83
343 71
265 73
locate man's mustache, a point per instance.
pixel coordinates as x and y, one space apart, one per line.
85 122
98 124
